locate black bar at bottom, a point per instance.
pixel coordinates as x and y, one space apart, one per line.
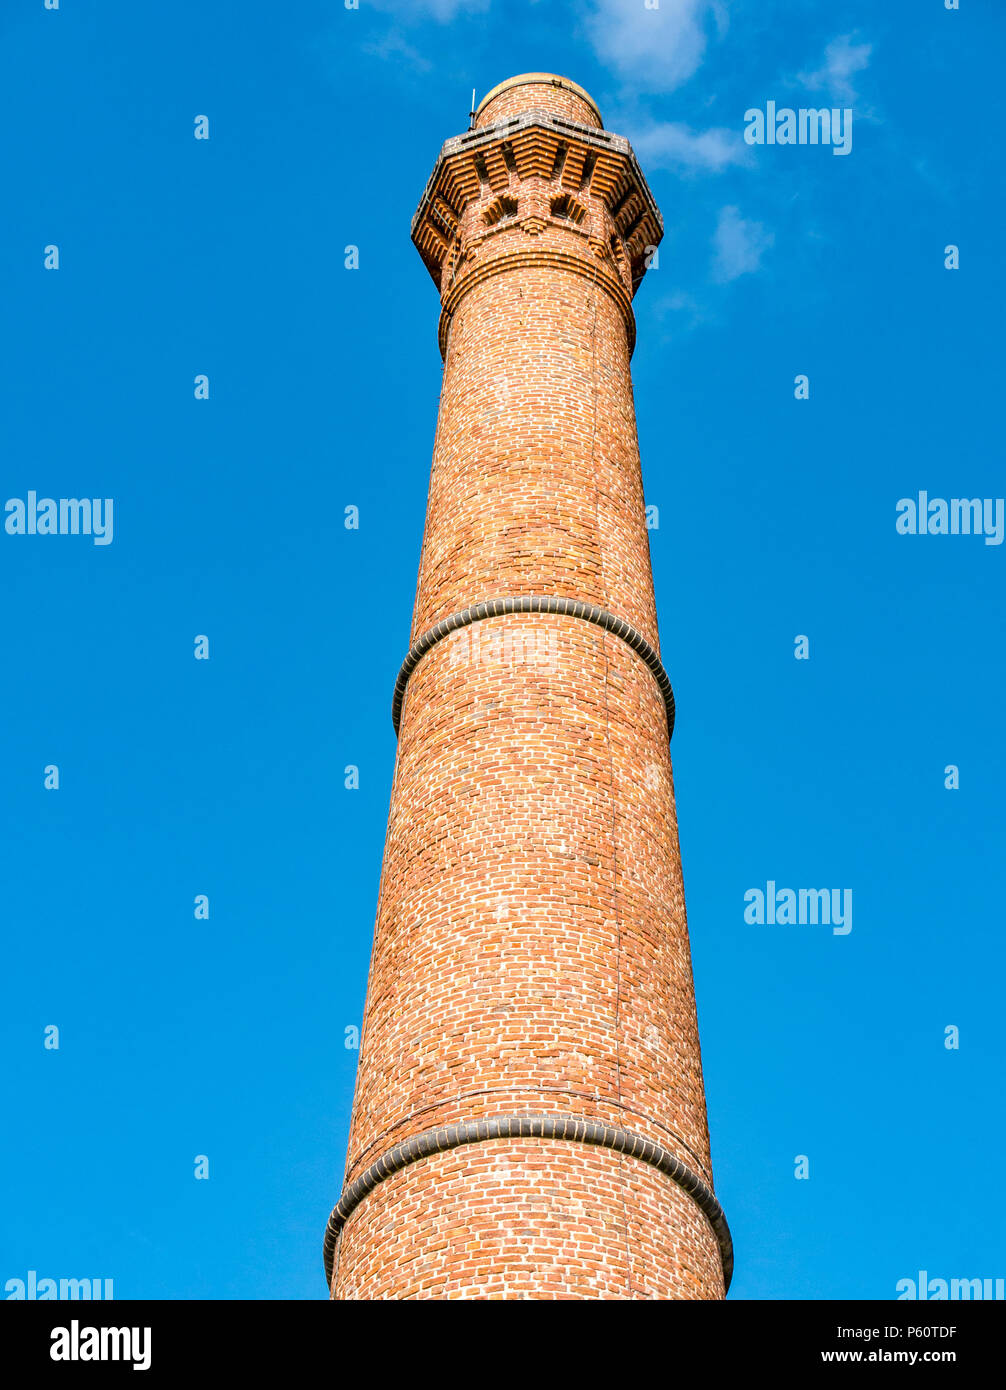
167 1341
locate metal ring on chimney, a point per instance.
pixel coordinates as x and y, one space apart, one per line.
531 603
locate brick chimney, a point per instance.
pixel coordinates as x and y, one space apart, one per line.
529 1118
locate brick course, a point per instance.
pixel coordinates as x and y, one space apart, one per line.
531 951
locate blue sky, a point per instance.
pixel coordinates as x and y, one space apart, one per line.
225 1037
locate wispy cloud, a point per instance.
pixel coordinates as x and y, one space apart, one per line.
409 17
393 46
441 10
671 145
681 311
738 245
842 60
654 50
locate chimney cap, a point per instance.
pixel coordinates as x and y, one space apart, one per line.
547 79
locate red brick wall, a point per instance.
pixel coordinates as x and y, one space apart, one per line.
531 952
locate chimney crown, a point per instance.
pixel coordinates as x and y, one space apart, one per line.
538 91
538 161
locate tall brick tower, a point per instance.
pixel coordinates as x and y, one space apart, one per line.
529 1118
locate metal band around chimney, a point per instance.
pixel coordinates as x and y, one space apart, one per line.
571 1127
531 603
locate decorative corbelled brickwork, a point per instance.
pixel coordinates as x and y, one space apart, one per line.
560 173
529 1117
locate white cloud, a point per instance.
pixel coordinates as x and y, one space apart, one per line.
842 60
671 145
656 50
738 245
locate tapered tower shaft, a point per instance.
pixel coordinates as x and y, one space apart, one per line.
529 1117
